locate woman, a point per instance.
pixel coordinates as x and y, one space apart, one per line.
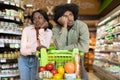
33 38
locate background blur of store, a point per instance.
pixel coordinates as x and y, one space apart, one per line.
101 16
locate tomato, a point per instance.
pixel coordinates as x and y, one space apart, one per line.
54 71
41 68
49 66
61 70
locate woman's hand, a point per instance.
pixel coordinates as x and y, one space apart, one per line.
39 47
44 25
63 21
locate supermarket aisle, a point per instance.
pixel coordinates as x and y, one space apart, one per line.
92 76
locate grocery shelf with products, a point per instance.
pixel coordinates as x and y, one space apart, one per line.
11 11
27 13
11 17
107 51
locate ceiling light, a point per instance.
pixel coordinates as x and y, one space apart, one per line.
29 5
68 1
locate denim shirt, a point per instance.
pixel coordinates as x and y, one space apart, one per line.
76 37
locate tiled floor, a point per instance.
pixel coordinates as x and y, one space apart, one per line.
92 76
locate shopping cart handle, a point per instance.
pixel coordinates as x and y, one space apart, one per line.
38 54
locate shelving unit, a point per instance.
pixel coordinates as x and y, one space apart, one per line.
104 75
107 51
109 61
11 17
11 5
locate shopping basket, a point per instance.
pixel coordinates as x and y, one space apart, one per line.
59 57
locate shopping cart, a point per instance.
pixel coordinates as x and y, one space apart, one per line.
59 57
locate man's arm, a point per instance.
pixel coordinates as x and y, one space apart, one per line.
60 37
83 42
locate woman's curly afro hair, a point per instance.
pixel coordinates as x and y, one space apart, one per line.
61 9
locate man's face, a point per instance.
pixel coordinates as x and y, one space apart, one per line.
70 18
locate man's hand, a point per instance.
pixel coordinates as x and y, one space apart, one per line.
63 21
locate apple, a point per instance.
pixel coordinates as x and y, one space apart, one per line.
54 71
41 68
49 66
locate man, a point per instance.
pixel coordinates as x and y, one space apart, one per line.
70 33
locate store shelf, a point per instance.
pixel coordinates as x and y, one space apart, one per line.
104 75
113 26
108 61
117 33
4 60
9 75
111 34
106 51
2 49
10 33
12 68
11 19
10 5
107 47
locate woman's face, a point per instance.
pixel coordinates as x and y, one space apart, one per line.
38 19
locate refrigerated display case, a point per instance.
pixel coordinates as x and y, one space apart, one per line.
107 51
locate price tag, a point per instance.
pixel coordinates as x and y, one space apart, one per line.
2 0
17 19
12 3
2 45
6 2
3 60
17 5
23 8
6 17
97 50
11 18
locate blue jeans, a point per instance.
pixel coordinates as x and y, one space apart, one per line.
28 68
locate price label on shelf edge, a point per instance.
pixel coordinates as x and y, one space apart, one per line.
3 60
6 2
17 19
17 5
12 3
2 43
6 17
11 18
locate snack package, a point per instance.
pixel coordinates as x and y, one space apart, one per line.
77 64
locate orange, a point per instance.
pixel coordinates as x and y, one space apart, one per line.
69 67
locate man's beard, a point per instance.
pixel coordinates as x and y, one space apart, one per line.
69 27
